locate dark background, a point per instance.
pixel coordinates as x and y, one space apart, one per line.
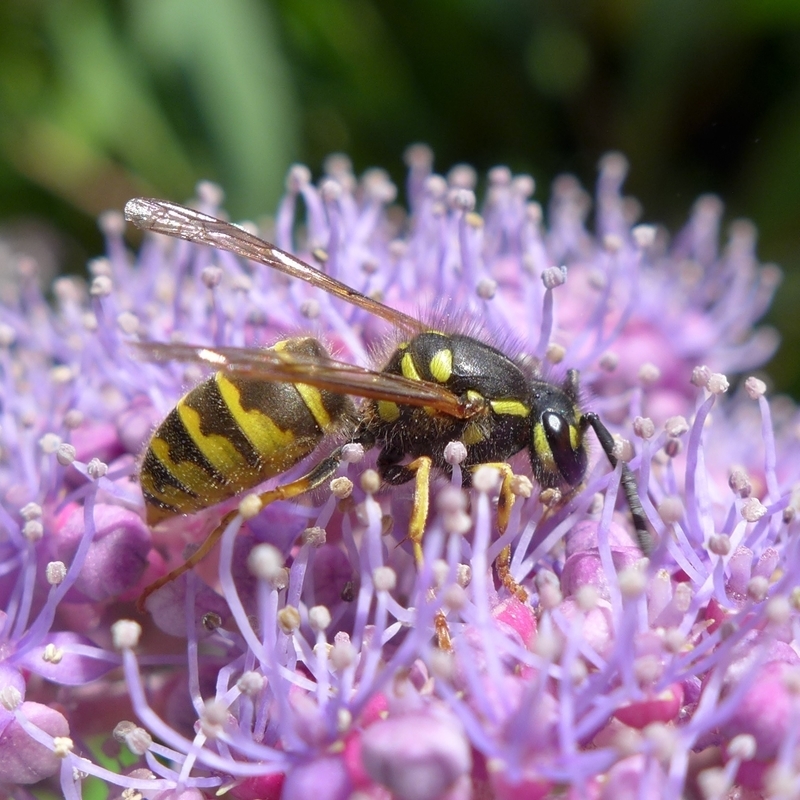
104 99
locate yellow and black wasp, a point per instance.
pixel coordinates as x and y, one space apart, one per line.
264 410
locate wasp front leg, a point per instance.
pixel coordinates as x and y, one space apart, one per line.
505 503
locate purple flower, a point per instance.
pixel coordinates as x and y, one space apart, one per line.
301 658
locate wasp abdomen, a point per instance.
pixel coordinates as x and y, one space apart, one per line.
232 432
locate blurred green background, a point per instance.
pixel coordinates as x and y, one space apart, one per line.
104 99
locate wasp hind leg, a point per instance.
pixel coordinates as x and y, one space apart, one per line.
308 482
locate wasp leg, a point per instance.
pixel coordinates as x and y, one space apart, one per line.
420 471
505 502
443 639
311 480
643 536
421 467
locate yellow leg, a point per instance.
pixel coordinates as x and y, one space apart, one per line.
324 470
419 514
505 503
416 531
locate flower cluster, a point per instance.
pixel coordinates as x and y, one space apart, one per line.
310 656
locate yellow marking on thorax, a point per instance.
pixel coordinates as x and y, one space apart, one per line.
542 448
441 365
265 436
473 434
474 397
409 368
388 411
512 408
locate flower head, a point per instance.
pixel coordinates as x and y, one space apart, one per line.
317 656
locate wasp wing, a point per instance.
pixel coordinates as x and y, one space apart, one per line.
330 374
176 220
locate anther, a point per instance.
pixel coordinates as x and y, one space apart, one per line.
289 619
755 388
644 427
341 488
700 376
314 536
319 618
718 383
554 276
125 634
370 481
649 374
555 353
55 572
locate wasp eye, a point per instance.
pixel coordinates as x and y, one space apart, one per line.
566 446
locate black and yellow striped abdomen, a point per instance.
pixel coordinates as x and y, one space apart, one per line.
231 432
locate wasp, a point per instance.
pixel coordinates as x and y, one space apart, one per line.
264 410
